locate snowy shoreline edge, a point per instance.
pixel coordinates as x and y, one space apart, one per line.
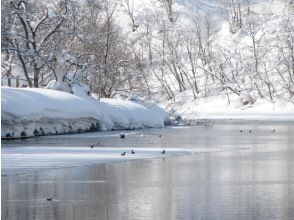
31 112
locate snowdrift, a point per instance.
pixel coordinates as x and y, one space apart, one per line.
28 112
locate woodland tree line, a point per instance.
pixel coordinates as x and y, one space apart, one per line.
74 41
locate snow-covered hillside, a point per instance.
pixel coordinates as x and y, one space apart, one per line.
32 112
215 59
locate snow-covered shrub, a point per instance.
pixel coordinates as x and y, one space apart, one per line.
247 99
81 90
60 86
73 87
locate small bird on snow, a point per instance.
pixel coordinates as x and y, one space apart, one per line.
123 154
49 199
163 152
122 135
132 152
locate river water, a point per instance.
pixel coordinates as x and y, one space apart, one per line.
251 176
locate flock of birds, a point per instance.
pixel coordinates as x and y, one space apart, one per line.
133 152
250 131
123 136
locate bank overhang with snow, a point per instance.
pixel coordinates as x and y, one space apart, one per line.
28 112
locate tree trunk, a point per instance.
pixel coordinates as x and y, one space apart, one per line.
36 77
17 81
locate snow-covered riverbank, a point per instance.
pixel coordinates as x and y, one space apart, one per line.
31 112
34 112
218 108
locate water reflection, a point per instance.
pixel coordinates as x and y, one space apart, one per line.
256 183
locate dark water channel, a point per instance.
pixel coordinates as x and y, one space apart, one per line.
254 180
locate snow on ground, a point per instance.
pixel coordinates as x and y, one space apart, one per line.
30 112
17 160
217 107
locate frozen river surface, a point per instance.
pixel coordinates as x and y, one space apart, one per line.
224 171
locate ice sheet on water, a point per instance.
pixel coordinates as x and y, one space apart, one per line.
31 158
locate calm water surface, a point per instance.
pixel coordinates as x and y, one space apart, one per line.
255 181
